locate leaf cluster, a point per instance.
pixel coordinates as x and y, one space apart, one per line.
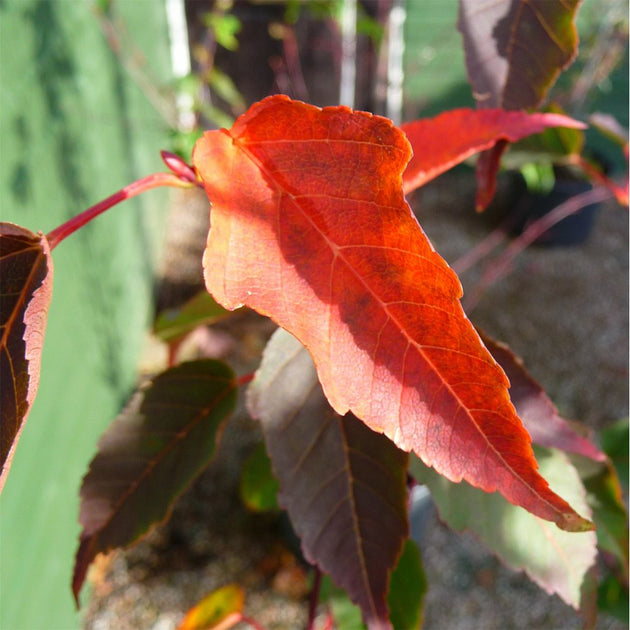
375 379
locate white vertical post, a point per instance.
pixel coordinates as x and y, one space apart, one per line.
180 60
395 55
348 52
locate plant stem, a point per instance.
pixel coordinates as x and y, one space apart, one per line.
501 267
246 378
620 191
135 188
252 622
314 598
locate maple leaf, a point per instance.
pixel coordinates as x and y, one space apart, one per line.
441 142
159 443
515 49
310 227
25 292
557 561
343 486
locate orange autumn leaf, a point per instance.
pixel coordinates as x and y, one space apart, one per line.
310 227
220 610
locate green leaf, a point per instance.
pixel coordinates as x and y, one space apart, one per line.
612 598
347 615
258 487
174 323
615 444
407 588
164 438
224 87
605 498
226 27
609 513
554 559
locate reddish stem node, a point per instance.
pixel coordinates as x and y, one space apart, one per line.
183 170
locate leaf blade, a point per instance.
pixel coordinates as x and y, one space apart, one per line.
150 454
408 588
556 560
515 50
26 291
540 416
441 142
343 485
219 610
301 233
173 324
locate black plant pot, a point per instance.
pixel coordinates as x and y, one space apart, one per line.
572 230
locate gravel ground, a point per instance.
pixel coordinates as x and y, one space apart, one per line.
564 310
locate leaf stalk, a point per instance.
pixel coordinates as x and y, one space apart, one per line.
181 176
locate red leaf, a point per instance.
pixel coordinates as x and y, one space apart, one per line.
539 415
448 139
515 49
310 227
486 171
343 485
149 455
25 293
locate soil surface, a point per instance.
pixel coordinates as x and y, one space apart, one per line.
563 310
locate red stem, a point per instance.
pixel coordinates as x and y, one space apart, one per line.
503 264
246 378
314 598
620 191
252 622
135 188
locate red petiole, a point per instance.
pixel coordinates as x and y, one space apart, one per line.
181 176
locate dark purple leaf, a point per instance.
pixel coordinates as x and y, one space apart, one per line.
343 485
515 49
538 413
150 454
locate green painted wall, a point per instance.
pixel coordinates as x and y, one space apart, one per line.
435 71
74 127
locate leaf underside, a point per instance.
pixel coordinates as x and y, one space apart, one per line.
343 486
164 438
310 227
515 49
25 294
557 561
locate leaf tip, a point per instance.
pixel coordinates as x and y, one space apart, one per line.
573 522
